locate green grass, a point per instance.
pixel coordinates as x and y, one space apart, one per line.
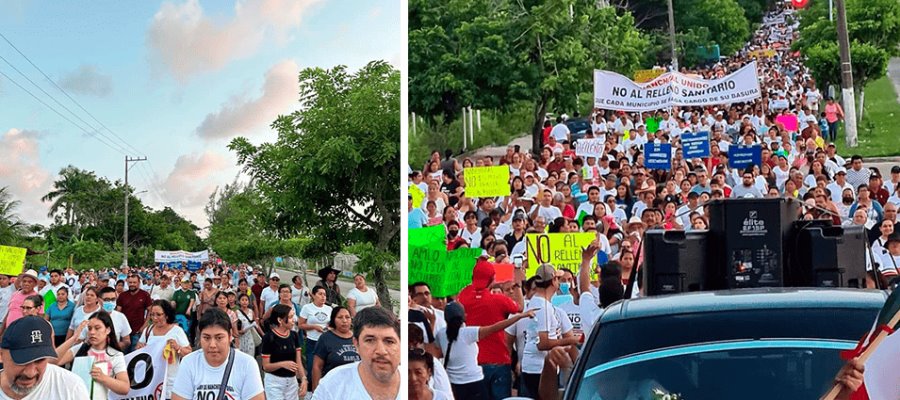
877 134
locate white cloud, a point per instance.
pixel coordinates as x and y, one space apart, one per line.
22 172
240 115
193 178
186 41
87 80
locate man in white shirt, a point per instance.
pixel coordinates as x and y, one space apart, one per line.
6 292
55 284
545 209
837 187
376 335
269 295
164 291
747 188
421 295
28 373
299 294
560 131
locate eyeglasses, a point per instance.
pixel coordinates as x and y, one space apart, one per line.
27 308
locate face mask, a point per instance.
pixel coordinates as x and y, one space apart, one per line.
452 234
109 306
564 287
848 200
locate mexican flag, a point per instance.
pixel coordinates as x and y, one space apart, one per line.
879 351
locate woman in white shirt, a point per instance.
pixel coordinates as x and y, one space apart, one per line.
102 344
314 319
164 328
361 296
458 346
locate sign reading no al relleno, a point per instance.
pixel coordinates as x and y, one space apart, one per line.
487 181
616 92
12 260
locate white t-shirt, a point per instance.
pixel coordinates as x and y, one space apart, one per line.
462 362
590 311
120 322
343 383
572 314
267 297
549 213
56 383
545 320
299 296
560 132
175 332
198 380
439 322
5 295
315 316
363 299
160 293
115 358
55 288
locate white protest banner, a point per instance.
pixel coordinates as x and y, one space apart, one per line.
590 147
617 92
162 256
147 373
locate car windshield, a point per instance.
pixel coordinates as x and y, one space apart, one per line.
749 369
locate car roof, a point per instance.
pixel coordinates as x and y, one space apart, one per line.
743 299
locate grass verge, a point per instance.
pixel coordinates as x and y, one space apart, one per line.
877 136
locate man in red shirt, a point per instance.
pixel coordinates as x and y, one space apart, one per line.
134 303
484 308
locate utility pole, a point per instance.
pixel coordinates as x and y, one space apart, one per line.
672 35
847 94
127 195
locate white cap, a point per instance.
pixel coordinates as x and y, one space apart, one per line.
274 275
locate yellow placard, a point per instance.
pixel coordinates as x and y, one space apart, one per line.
487 181
417 196
12 260
647 75
563 250
762 53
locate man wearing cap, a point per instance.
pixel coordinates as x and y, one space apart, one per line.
27 373
839 185
484 308
27 283
269 296
890 260
328 281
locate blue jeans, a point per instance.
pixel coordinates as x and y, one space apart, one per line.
134 341
497 380
310 355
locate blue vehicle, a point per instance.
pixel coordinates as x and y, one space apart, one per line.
770 343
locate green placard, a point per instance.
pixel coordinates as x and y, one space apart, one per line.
431 236
445 272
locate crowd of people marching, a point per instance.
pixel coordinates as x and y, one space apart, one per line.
492 339
281 338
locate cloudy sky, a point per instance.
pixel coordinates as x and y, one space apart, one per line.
174 81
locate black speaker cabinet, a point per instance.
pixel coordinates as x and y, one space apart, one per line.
827 256
674 262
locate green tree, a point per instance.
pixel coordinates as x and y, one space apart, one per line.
331 174
11 227
724 19
240 224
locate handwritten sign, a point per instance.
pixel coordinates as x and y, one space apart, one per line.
658 156
563 250
590 147
417 196
695 144
445 272
744 156
432 236
487 181
12 260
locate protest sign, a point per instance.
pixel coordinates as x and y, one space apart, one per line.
12 260
762 53
146 369
614 91
563 250
790 122
431 236
417 196
744 156
779 104
647 75
162 256
658 156
590 147
504 272
445 272
487 181
695 144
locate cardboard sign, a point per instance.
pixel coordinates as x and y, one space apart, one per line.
12 260
563 250
417 196
504 272
695 144
590 148
432 236
658 156
744 156
487 181
445 272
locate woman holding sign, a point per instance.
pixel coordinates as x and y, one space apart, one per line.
102 344
164 328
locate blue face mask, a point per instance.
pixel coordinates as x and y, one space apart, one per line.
564 287
109 306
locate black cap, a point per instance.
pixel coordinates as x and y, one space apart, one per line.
895 169
29 339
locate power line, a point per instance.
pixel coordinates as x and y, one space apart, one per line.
67 95
57 102
60 114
